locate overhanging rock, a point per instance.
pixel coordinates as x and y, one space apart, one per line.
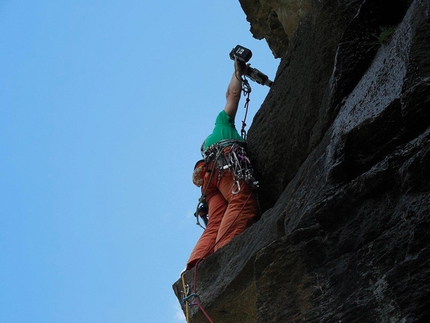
341 147
225 280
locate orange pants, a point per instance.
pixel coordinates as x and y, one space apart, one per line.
229 214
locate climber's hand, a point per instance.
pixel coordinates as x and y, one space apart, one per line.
240 67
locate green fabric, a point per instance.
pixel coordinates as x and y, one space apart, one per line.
224 129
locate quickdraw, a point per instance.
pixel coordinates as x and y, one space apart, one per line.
246 89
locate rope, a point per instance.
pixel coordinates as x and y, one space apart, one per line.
193 295
203 311
187 313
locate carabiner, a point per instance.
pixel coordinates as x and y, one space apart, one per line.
236 183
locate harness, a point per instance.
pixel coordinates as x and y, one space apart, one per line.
229 156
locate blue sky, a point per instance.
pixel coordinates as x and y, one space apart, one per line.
103 107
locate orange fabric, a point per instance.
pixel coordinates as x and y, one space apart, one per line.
205 245
240 212
229 214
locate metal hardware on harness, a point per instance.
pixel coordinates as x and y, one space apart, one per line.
235 184
229 156
202 212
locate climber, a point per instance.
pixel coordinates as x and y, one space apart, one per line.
225 177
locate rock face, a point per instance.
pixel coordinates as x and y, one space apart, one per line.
341 147
276 21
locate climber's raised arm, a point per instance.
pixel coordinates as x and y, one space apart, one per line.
234 90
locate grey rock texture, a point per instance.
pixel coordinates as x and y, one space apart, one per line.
341 147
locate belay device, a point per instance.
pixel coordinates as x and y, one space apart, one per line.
243 55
